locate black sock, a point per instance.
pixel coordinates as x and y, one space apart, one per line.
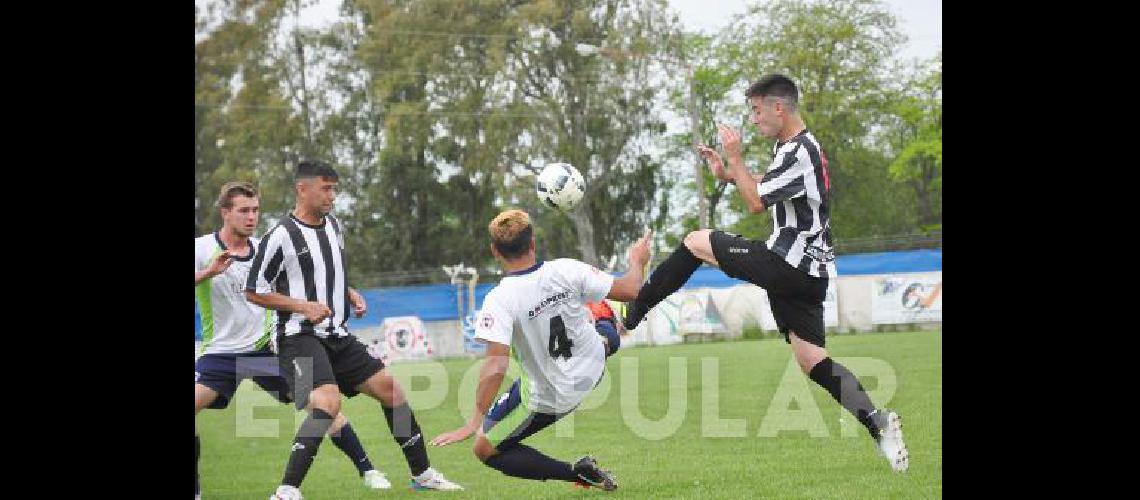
197 453
666 279
347 441
305 446
402 423
846 389
528 463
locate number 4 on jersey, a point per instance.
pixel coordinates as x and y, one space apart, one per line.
560 344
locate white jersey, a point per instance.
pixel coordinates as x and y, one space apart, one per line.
541 313
230 324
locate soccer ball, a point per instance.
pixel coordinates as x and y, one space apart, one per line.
561 186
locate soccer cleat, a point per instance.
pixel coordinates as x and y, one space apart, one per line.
375 479
432 479
589 474
890 439
286 492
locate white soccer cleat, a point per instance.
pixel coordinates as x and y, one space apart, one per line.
432 479
891 443
375 479
286 492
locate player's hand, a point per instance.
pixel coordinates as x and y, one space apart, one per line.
716 165
730 139
359 305
315 312
454 436
219 264
639 251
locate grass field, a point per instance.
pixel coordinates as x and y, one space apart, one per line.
687 456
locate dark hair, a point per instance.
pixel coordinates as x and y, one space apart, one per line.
310 169
775 85
233 189
510 233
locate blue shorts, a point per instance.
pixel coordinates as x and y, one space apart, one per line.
224 372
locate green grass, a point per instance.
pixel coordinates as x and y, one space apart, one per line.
678 464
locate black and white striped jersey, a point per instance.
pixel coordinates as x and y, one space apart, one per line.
304 262
795 190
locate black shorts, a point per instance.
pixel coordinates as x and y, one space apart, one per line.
224 372
308 362
796 297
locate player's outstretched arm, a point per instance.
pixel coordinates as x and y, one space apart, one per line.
490 378
626 287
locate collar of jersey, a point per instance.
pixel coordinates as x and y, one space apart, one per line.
218 238
528 270
301 222
790 139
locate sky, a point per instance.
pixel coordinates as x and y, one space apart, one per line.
920 20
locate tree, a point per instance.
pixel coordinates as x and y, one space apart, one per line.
594 111
429 70
713 81
917 140
242 121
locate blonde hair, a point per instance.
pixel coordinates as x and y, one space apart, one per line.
233 189
511 233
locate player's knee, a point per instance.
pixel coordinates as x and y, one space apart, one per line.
483 449
203 396
332 408
808 359
693 239
699 244
480 453
327 399
386 389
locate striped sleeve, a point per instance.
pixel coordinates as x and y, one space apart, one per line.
785 178
268 262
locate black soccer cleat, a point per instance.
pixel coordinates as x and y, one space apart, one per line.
590 474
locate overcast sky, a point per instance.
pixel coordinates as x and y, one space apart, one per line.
920 20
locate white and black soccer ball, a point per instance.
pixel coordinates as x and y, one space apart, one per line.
561 186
